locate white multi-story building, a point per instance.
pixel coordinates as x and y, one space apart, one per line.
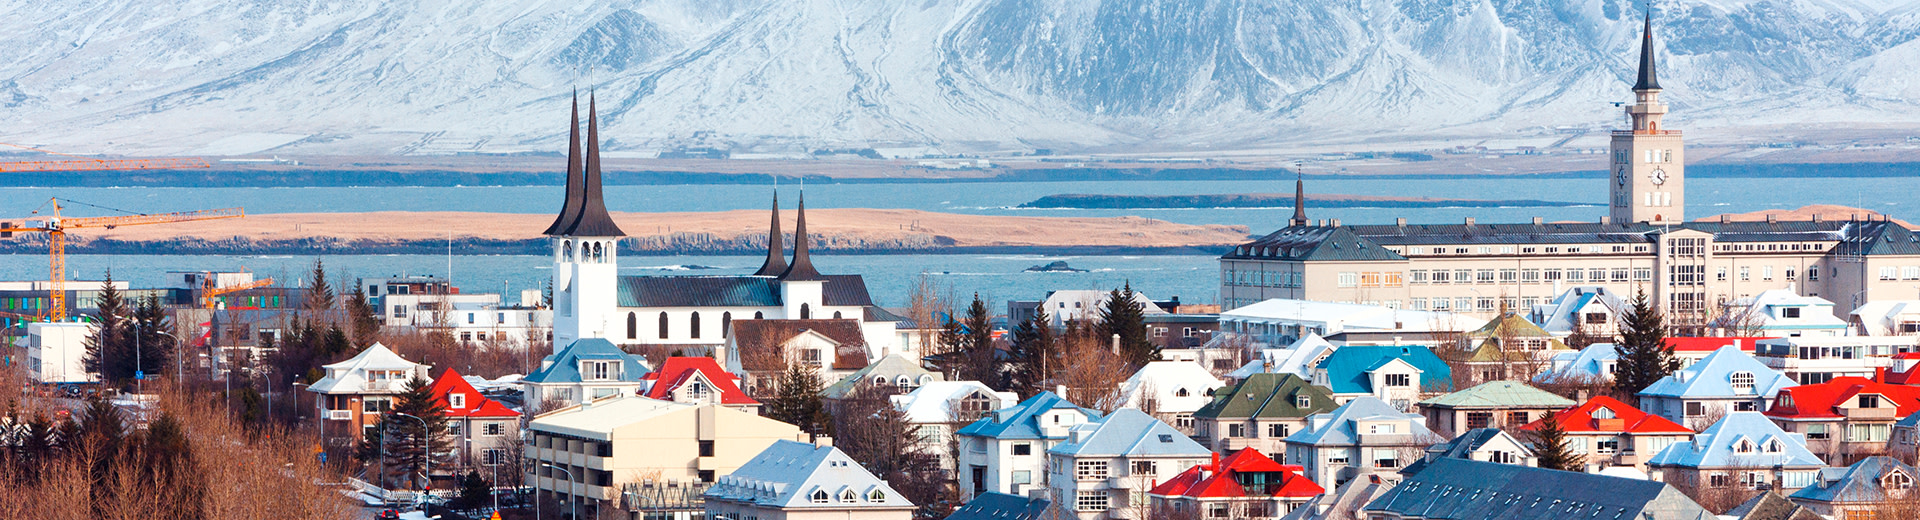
1277 322
57 352
1105 467
1006 451
1364 438
1780 313
938 408
1818 359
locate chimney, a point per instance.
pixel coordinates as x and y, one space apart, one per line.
1402 222
1216 462
1606 220
1116 344
1333 222
1537 221
1772 218
720 355
1469 221
1816 218
1725 218
1060 390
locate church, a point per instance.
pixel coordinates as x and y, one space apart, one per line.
694 314
1644 245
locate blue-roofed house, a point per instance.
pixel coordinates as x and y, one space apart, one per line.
1401 375
1110 463
1589 310
798 480
1862 490
1461 489
1728 380
1591 364
1365 437
1006 451
1744 449
1904 441
586 369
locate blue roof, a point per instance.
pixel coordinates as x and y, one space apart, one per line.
1717 446
1347 368
1020 421
564 366
1129 432
1711 377
1857 483
1001 506
1336 427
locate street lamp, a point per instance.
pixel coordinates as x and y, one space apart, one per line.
573 506
426 451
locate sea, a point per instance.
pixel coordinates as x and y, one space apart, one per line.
890 277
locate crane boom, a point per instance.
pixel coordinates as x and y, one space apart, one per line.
210 293
56 229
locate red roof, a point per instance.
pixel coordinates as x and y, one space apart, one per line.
676 371
1626 419
477 405
1704 345
1216 479
1823 400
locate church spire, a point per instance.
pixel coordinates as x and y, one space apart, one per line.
594 220
776 254
1648 81
802 269
570 210
1299 198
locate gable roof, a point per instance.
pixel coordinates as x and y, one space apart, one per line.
564 366
1626 419
1823 400
1857 483
1268 395
1347 367
788 473
1711 377
1218 479
477 405
677 371
760 344
1772 506
1314 243
1127 433
1563 313
1165 382
891 367
840 290
1460 488
1500 394
1463 446
1589 362
1020 421
1336 427
1714 448
1297 358
934 402
352 378
1001 506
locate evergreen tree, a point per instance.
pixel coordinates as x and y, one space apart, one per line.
983 362
1642 348
409 446
363 317
1552 450
1123 314
475 492
319 294
1036 354
105 353
798 401
150 332
335 347
949 356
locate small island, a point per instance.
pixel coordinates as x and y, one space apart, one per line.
1272 200
1058 266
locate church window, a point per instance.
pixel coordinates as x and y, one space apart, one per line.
567 250
726 322
759 315
663 325
806 312
836 315
633 326
693 325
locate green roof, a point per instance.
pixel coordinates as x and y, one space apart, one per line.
1509 325
1268 395
1500 394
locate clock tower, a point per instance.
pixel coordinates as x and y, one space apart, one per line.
1647 170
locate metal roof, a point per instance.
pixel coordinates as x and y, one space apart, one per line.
1128 433
564 366
570 209
1458 488
1500 394
1019 421
776 256
1347 367
1268 395
1364 242
1857 483
847 290
1647 79
592 219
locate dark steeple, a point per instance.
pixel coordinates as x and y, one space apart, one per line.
776 254
1299 200
1647 79
802 269
594 221
570 210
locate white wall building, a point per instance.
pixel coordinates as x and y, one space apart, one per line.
57 352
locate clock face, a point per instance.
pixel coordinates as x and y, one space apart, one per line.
1623 176
1659 176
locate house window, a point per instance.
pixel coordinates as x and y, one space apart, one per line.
706 449
1090 469
1090 501
1144 467
819 496
1896 480
1236 430
1277 430
1718 480
1399 380
457 401
1867 401
811 355
726 322
849 496
1385 458
806 311
493 429
1022 449
493 456
1479 419
1516 418
1607 447
1302 400
1696 409
1816 432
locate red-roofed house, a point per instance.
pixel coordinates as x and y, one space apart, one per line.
1246 484
1851 417
1613 433
697 381
483 430
1902 372
1690 350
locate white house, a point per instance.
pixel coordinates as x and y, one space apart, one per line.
1886 318
1726 381
1818 359
1069 305
940 407
1297 358
1589 309
1780 312
356 393
1006 451
1110 464
1282 322
799 481
1364 438
585 370
57 352
1170 390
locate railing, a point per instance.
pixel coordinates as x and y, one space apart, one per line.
1868 413
1646 132
672 496
339 415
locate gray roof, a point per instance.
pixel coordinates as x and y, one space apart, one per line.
776 258
1468 489
1647 80
1365 242
570 208
564 366
1857 483
788 473
1128 433
1461 447
1020 421
1771 506
890 367
1001 506
848 290
590 218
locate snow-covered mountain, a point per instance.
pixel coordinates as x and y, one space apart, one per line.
326 76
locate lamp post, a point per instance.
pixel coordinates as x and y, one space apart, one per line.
573 507
426 451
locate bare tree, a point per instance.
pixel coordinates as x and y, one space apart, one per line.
1092 371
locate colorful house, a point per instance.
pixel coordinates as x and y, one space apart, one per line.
1728 380
1104 465
1006 451
483 430
1745 450
1400 376
1496 404
1259 412
697 381
1510 347
586 369
1845 419
1364 438
357 392
1246 484
1611 433
1867 489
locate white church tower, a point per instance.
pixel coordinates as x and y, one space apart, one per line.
801 286
1648 166
585 244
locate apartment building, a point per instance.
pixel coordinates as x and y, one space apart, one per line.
1105 467
1365 438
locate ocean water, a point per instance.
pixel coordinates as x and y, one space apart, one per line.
996 277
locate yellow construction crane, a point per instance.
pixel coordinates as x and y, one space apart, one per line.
209 293
56 227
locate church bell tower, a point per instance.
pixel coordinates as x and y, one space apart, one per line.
1647 169
585 244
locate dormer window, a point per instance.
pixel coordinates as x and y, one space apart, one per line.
1896 480
1774 446
879 380
1180 392
848 496
599 370
1399 380
457 401
1604 413
1868 401
877 496
819 496
1302 400
1742 382
1743 446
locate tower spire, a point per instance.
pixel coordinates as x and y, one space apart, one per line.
1648 80
570 209
776 251
802 269
593 221
1299 196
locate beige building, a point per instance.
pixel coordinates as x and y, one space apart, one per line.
606 444
1643 245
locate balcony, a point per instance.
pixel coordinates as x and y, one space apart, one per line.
339 415
1386 439
1645 132
1868 413
1123 513
1121 482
